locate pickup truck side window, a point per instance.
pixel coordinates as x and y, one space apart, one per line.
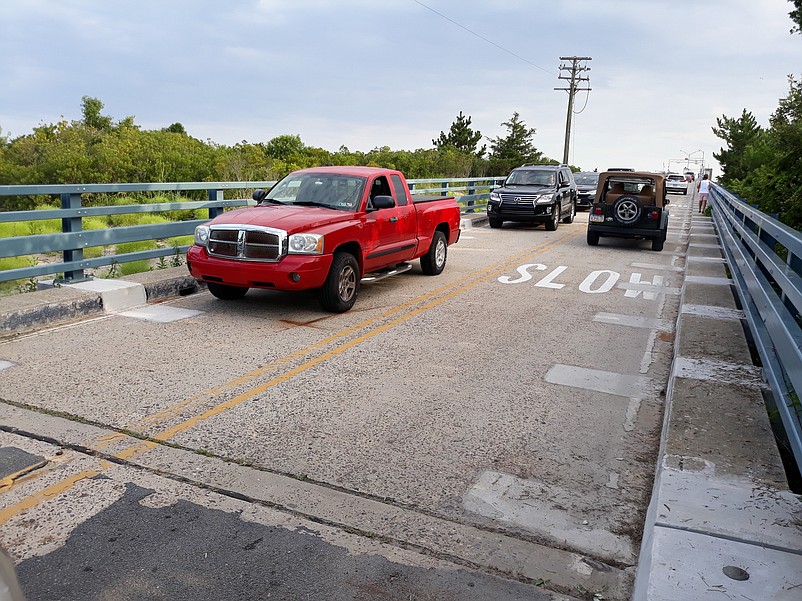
400 191
380 187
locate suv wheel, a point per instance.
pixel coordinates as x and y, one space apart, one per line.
551 224
627 210
593 238
495 222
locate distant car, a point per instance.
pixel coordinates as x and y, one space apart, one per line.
620 169
585 188
676 184
629 204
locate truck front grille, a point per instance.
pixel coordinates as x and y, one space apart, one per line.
247 243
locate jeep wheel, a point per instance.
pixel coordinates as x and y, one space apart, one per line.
495 222
341 288
627 210
434 261
551 224
593 238
658 241
224 292
571 214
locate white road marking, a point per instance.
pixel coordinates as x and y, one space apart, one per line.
717 371
657 266
634 321
160 313
5 364
632 387
700 279
712 312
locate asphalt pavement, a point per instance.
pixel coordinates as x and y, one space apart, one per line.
722 522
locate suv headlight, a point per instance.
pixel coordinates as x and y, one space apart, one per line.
495 197
306 244
202 235
545 199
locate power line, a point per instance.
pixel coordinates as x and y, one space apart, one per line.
481 37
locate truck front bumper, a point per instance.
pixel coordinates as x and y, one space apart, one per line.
292 273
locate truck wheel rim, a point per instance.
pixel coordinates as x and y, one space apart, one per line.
347 283
440 253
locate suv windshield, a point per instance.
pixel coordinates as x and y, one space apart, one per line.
334 191
531 177
586 179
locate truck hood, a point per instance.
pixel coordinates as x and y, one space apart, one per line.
288 218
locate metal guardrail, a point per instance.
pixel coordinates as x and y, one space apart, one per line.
471 193
765 258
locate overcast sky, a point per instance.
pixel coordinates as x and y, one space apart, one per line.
372 73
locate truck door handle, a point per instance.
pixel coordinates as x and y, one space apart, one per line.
393 219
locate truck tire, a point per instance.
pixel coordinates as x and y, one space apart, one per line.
224 292
593 238
341 288
434 261
551 224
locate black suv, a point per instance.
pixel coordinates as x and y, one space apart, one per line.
534 194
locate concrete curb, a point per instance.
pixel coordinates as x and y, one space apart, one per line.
24 313
721 522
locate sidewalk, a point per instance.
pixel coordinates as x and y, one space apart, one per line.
722 523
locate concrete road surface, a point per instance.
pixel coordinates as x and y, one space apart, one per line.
489 433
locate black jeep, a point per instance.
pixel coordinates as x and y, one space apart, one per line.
534 194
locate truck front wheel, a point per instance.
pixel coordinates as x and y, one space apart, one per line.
224 292
341 288
434 261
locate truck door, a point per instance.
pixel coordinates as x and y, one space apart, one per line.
396 227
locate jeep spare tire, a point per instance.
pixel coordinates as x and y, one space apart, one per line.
627 210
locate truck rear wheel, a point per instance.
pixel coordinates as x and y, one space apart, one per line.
224 292
434 261
341 288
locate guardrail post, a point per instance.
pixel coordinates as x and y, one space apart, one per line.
215 195
444 185
71 225
471 192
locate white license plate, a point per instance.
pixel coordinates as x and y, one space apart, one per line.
597 218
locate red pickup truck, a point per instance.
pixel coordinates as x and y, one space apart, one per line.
326 228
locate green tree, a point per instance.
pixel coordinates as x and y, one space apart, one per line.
90 109
514 149
796 16
461 137
738 134
176 128
286 148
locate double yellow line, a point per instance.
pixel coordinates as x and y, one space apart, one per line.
403 313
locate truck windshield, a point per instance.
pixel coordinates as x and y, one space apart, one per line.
334 191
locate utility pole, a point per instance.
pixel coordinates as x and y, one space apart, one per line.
572 73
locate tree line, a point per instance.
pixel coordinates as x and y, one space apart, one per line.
99 149
763 165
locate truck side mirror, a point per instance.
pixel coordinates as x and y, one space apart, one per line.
383 202
259 195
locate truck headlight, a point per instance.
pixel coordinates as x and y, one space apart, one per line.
306 244
202 235
545 199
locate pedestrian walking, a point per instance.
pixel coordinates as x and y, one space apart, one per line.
704 189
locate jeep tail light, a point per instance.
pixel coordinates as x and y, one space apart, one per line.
654 215
597 210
